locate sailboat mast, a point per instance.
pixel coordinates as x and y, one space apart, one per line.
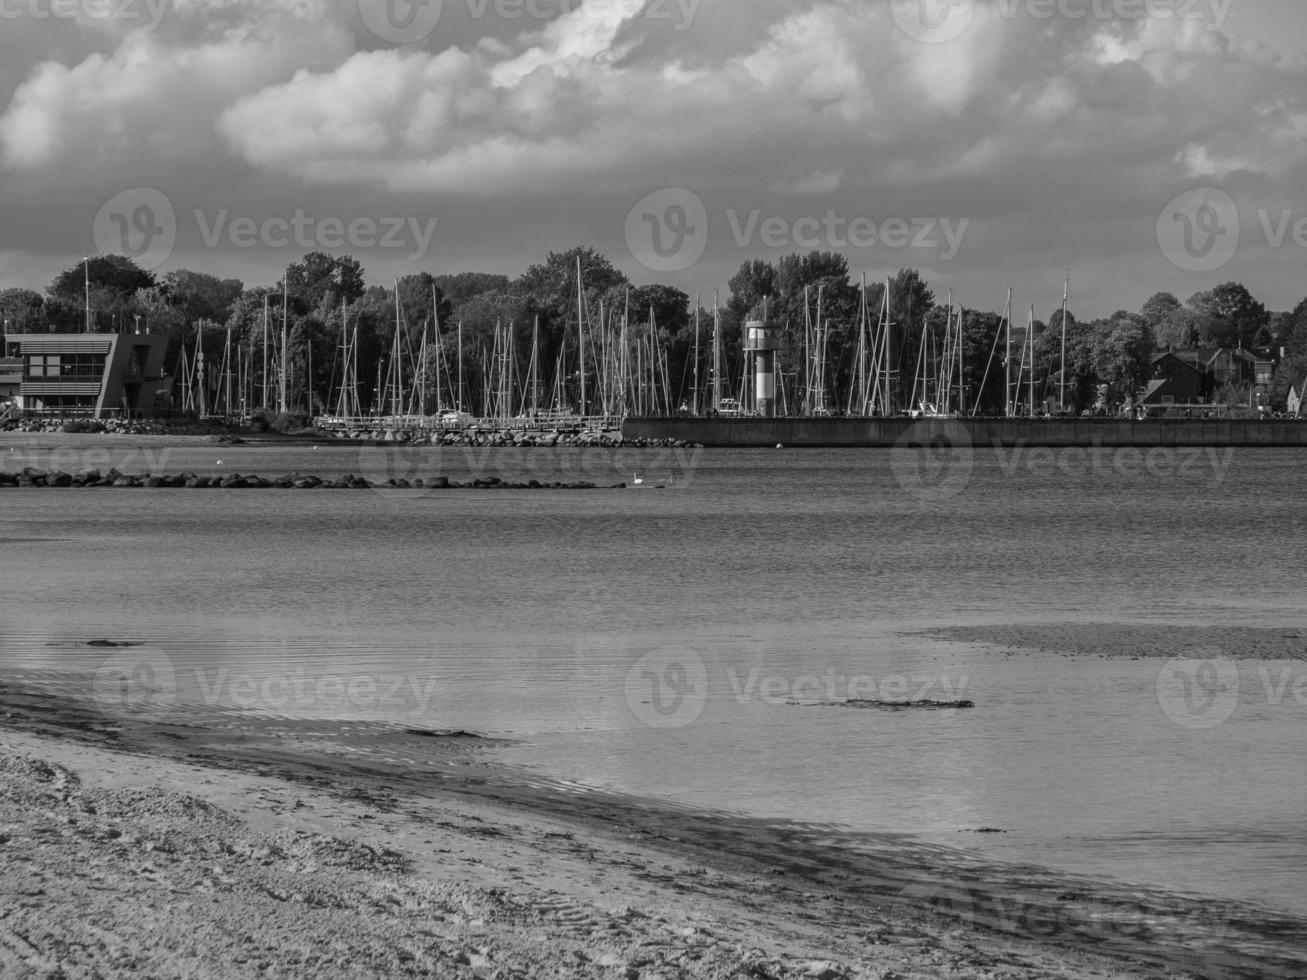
580 329
1030 340
265 352
1066 295
698 306
285 316
1007 358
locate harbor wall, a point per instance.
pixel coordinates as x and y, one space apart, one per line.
1006 433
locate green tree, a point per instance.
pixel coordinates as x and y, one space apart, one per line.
200 296
1122 355
1232 304
115 274
462 286
320 280
22 311
1158 308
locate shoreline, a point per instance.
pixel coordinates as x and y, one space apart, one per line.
550 881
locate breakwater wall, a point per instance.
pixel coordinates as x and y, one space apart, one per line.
1004 433
30 478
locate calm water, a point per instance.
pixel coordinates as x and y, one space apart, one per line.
649 641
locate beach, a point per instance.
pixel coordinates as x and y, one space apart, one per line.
246 847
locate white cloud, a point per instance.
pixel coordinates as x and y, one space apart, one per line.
758 104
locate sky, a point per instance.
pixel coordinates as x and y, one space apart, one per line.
1132 146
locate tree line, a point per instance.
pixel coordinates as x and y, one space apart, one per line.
325 298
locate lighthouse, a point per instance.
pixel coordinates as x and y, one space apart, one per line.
760 346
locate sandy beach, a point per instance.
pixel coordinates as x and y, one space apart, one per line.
230 846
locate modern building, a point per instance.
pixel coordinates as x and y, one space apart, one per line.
92 375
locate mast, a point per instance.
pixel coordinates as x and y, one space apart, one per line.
435 316
1066 295
698 306
716 354
1007 358
1030 341
460 365
285 313
86 273
580 330
962 391
265 352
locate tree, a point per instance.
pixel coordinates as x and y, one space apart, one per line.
115 274
1122 355
1234 305
463 286
1185 329
910 302
22 311
416 297
1158 308
200 296
320 280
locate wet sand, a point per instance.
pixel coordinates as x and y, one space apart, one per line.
232 846
1141 641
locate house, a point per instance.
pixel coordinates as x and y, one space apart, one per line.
1298 399
1177 380
96 375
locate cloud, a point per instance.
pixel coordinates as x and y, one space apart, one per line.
1040 130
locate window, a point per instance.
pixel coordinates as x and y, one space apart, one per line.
43 365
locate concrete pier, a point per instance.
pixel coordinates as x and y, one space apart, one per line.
1005 433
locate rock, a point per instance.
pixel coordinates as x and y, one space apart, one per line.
122 482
